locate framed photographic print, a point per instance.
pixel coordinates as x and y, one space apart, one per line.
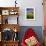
30 13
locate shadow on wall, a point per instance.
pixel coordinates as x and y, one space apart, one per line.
37 29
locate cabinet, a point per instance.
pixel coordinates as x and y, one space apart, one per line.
6 12
9 27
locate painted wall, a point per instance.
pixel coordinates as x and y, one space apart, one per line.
37 29
38 13
23 4
38 22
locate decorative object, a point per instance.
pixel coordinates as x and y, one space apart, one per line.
15 3
13 12
6 21
15 37
31 41
15 34
30 13
7 34
15 30
5 12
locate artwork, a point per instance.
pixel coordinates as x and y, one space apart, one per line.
30 13
5 12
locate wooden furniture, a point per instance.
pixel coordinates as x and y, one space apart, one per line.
44 8
5 13
0 43
8 11
10 43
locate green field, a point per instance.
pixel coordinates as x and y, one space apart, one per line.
30 16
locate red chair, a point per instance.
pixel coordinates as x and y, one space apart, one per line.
29 33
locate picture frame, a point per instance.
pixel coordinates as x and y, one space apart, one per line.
30 13
5 12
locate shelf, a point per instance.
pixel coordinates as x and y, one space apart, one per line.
8 10
11 41
5 8
10 19
5 12
10 26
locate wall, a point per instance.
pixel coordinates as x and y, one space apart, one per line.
38 13
37 30
27 3
37 4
